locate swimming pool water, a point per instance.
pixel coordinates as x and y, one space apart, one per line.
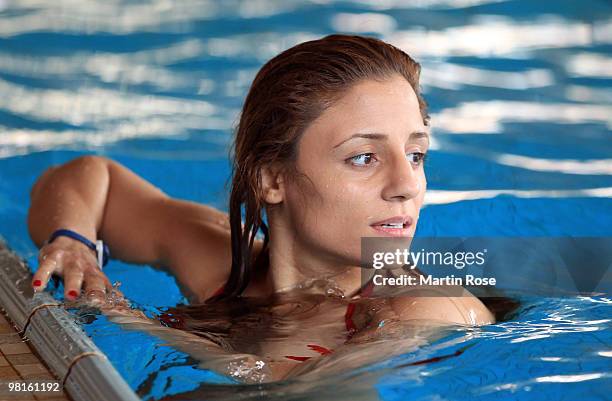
521 106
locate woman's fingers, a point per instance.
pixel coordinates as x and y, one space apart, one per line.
47 266
78 268
73 280
96 286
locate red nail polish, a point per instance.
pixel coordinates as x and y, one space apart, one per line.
73 293
37 283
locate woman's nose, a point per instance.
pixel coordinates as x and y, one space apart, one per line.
402 180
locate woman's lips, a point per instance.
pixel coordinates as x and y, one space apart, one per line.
405 231
385 227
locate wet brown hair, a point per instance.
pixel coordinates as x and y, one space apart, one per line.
288 93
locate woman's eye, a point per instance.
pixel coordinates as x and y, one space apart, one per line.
416 157
363 159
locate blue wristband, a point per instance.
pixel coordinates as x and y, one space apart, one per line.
100 248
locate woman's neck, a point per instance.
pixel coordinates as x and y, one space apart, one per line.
293 268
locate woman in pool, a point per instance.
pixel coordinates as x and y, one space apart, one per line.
330 145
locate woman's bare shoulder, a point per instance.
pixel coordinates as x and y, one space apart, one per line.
195 245
454 305
198 249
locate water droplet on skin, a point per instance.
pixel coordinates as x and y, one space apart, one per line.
250 372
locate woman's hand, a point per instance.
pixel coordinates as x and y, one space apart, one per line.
77 265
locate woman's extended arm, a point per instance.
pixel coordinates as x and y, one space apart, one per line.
101 199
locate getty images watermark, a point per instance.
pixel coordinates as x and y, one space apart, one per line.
410 259
488 266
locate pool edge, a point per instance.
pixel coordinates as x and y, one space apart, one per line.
72 356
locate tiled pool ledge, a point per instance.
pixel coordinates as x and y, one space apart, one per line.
83 371
20 366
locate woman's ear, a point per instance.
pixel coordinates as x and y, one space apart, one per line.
273 187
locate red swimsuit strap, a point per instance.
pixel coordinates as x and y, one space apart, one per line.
365 291
219 291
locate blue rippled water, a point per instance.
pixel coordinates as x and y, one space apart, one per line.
521 103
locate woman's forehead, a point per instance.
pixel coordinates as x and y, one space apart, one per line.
390 106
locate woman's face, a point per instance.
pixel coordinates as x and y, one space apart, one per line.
363 156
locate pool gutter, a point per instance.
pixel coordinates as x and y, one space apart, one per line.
83 369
